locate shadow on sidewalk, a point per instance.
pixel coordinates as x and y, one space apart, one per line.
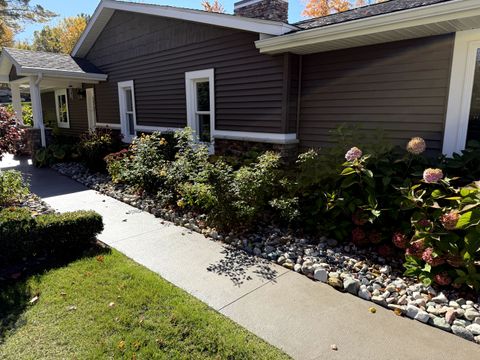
238 265
43 182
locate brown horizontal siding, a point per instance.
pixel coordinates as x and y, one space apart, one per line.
248 85
77 110
400 87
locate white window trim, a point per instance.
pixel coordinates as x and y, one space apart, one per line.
57 94
122 85
460 93
91 117
190 79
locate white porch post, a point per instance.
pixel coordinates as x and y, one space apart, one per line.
37 107
17 102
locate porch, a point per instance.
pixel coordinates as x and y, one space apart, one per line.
41 72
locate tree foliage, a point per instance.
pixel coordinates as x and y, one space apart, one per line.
60 38
319 8
15 13
213 6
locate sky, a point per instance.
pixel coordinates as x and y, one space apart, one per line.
65 8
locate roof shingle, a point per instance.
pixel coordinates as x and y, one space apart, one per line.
366 11
51 61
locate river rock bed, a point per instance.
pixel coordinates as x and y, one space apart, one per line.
36 205
358 271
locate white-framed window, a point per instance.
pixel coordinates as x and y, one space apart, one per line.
200 91
128 115
61 106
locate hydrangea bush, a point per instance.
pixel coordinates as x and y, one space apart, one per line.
398 201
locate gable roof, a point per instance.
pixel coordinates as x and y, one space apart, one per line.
385 22
29 62
106 8
387 7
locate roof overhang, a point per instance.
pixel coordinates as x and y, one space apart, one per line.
106 9
7 61
437 19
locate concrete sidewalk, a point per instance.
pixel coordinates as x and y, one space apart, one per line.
297 315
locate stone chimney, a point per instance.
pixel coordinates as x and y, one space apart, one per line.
276 10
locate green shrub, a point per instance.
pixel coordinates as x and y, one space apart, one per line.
94 146
23 236
27 113
12 187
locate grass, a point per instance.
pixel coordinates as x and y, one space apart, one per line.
107 306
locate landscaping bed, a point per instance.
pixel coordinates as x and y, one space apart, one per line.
107 306
361 271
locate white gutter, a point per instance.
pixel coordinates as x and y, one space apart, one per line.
441 12
28 71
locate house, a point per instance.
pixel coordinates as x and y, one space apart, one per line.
410 67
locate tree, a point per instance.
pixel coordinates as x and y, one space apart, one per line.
318 8
14 13
10 133
61 38
215 6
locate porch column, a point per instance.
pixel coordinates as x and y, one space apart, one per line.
17 102
37 107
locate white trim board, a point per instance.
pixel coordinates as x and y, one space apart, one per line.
106 8
58 93
441 18
147 128
272 138
108 126
122 85
460 94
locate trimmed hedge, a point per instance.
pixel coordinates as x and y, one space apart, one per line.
23 236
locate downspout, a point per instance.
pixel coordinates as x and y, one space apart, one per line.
299 94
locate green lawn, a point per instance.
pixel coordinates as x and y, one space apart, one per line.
105 307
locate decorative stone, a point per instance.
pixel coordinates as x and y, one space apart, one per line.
412 311
474 329
380 300
462 332
440 323
297 268
351 285
440 299
336 283
321 274
422 316
364 293
471 314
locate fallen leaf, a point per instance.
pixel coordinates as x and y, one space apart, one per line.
34 300
334 347
137 345
372 310
72 308
111 305
398 312
121 345
100 258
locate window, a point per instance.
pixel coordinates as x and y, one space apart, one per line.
201 104
61 106
128 118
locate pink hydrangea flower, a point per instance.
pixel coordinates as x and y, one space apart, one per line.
353 154
400 240
416 146
442 279
450 220
428 257
424 223
432 176
416 248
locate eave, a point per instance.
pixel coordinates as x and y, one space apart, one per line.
425 21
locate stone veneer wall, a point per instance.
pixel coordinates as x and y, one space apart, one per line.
32 140
276 10
288 152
